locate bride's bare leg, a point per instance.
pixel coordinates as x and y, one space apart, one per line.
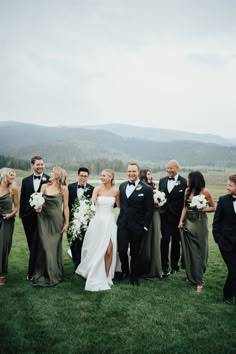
108 257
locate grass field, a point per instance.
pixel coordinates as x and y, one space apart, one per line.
166 316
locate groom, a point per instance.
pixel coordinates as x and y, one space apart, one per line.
76 190
28 215
136 209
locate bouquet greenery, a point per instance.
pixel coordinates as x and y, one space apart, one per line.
83 210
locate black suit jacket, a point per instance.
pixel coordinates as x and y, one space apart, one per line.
175 199
73 194
224 223
136 211
27 188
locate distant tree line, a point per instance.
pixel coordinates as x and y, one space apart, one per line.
12 162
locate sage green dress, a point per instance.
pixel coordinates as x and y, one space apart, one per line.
6 231
150 258
194 240
49 263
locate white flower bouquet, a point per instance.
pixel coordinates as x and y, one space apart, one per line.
36 200
199 202
159 197
83 210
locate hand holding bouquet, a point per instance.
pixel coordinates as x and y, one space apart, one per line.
199 202
159 197
36 201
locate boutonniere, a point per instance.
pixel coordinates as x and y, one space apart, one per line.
44 179
177 183
86 189
139 187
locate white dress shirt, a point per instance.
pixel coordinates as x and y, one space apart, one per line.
171 183
130 188
36 182
80 191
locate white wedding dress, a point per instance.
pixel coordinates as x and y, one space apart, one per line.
101 230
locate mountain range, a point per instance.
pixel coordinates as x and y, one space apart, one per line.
115 141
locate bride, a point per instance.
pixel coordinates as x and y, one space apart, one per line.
98 257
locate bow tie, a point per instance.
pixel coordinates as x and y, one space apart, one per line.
79 186
37 177
171 178
131 183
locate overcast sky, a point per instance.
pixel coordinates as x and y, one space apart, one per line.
157 63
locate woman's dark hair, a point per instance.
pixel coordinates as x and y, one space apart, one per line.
196 182
143 177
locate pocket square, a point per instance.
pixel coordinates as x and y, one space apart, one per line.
140 195
181 190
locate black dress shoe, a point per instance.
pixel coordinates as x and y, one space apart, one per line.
135 282
228 301
165 273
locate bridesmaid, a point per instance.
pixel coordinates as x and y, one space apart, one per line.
8 198
53 220
150 258
194 230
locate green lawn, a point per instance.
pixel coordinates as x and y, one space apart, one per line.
165 316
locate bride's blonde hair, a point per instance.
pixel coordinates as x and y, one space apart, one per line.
111 174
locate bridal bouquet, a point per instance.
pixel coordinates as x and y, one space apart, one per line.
36 200
199 202
159 197
83 210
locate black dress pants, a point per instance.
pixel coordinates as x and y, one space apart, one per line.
128 237
170 233
229 257
76 248
30 225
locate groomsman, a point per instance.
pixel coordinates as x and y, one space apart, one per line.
31 184
76 190
173 186
224 233
136 209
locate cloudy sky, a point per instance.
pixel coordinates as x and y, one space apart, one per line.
157 63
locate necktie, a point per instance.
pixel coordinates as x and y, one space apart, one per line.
171 178
79 186
131 183
37 177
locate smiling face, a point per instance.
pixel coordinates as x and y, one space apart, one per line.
149 176
105 177
133 172
83 178
231 187
38 167
172 168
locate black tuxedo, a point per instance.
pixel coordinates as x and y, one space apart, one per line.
135 214
77 244
224 233
29 217
170 214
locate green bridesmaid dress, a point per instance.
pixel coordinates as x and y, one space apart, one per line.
150 256
6 231
49 263
194 240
